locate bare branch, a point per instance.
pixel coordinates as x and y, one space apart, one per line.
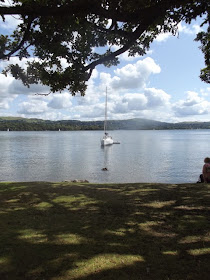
43 94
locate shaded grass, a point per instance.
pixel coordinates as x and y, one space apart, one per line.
97 231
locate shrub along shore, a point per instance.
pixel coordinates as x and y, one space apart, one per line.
90 231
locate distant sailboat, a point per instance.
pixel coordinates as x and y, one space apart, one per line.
107 139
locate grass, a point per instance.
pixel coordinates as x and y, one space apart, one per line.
88 231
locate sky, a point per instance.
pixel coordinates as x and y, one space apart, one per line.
163 85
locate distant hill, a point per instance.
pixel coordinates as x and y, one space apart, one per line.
24 124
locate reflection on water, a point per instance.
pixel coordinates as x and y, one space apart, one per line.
143 156
106 151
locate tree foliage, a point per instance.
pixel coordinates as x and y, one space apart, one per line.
23 124
65 39
204 38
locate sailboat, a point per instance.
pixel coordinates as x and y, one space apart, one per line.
107 139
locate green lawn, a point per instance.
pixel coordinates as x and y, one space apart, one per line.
96 231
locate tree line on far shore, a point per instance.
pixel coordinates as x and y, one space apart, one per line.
24 124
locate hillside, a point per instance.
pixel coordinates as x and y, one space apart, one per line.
24 124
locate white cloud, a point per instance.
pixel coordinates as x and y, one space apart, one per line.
50 115
192 99
10 23
4 104
193 105
182 28
187 29
162 37
105 78
156 97
15 60
5 82
197 28
182 111
17 87
125 56
135 75
205 92
32 107
149 99
60 101
136 101
92 112
5 97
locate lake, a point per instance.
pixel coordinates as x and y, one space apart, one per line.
169 156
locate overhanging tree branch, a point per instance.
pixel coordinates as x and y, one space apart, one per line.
22 42
83 8
71 31
111 56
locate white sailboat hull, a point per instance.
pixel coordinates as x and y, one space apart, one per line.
106 140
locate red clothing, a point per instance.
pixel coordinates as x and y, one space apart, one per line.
206 172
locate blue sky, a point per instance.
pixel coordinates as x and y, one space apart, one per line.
163 85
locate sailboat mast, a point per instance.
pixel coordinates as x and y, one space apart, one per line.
105 122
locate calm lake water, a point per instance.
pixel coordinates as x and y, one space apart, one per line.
170 156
